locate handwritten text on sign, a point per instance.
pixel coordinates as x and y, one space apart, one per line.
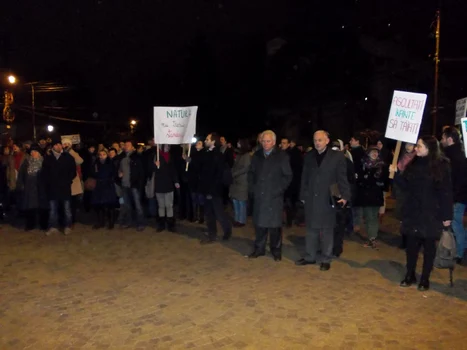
464 133
174 125
405 116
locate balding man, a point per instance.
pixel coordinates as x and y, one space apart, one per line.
324 178
268 179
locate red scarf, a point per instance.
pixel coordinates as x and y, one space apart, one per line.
18 157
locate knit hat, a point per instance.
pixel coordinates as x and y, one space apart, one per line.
28 142
34 147
372 148
56 140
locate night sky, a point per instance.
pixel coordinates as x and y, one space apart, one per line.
247 64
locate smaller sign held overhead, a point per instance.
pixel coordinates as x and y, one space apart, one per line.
405 116
461 109
75 139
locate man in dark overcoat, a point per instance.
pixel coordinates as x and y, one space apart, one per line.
324 171
268 179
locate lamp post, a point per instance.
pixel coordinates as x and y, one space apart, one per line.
12 80
133 124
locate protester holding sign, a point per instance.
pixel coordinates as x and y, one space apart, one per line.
427 208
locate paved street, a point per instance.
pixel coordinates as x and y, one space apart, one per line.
129 290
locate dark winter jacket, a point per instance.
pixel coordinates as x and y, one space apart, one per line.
194 169
58 175
427 202
89 160
268 179
33 189
458 172
239 187
104 193
358 154
296 164
211 174
370 184
137 175
165 176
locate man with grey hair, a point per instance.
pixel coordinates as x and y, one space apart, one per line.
268 179
324 188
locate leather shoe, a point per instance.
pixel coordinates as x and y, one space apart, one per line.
207 240
227 236
303 262
255 255
424 285
277 258
408 280
325 266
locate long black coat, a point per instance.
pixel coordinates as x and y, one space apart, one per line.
32 186
194 169
58 176
316 187
458 173
104 193
211 173
268 179
427 202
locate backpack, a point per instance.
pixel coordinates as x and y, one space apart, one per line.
446 252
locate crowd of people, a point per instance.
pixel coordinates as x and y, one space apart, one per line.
331 189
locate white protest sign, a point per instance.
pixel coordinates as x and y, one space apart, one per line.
174 125
461 109
464 133
75 139
405 116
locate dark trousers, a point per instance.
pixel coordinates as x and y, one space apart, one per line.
185 206
429 253
31 218
342 218
275 240
316 238
214 210
290 206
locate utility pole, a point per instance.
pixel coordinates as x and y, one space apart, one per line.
434 111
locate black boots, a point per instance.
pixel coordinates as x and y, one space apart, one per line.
201 214
409 280
171 224
111 215
160 224
100 219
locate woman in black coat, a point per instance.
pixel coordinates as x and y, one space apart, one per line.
30 181
104 196
426 182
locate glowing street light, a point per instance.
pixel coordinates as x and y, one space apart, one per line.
11 79
194 140
50 128
133 122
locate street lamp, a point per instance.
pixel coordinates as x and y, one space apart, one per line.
133 124
50 128
12 81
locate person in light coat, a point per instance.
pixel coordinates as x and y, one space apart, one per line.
76 185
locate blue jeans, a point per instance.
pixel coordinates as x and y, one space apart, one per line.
152 207
240 211
458 228
131 197
53 213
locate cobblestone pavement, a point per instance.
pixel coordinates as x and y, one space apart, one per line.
142 290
